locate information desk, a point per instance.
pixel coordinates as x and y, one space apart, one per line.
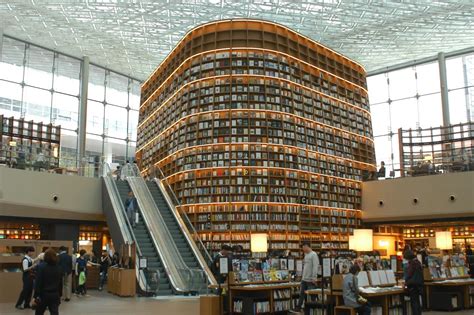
387 297
263 298
465 287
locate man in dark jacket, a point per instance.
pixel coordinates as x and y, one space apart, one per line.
414 282
65 263
131 206
215 268
47 284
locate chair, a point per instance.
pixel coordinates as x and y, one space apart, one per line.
343 309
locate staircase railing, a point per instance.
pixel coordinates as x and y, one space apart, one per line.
124 223
189 230
182 277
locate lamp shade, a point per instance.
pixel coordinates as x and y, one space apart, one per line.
444 240
258 243
363 239
352 242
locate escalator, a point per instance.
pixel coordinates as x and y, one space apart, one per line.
182 243
144 241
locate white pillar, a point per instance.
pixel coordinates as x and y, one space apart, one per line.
443 88
83 114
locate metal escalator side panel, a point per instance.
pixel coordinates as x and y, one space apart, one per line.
162 239
197 253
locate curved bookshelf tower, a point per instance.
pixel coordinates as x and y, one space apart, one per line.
259 129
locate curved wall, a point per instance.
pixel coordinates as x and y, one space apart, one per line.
258 128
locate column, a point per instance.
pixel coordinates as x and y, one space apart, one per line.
444 88
81 138
1 43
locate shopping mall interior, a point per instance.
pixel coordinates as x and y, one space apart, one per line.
237 157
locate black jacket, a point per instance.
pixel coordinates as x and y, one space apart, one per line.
48 280
65 263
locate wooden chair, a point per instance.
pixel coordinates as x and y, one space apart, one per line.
343 309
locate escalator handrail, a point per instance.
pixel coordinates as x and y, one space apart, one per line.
189 223
179 218
129 236
169 253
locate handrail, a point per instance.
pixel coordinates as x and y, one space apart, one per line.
123 221
192 242
187 221
174 264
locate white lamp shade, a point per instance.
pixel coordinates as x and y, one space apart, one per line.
258 243
352 242
444 240
363 239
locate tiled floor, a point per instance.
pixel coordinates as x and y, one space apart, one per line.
106 304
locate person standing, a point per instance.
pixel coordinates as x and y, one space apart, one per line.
468 250
131 206
381 172
48 284
65 263
27 266
310 273
350 292
105 263
414 282
81 271
215 268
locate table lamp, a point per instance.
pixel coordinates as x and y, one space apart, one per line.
444 240
258 243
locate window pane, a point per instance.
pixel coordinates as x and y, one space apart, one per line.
380 114
134 102
378 88
96 83
94 154
115 122
132 125
427 78
457 107
65 111
10 99
37 104
66 76
11 65
115 150
383 150
95 117
68 152
431 113
404 114
39 67
402 83
117 90
131 150
455 73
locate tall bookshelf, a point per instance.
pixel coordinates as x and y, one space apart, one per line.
259 129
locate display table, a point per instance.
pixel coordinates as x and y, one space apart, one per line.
93 277
122 282
464 287
263 298
387 297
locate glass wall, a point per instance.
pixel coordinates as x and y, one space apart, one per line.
44 86
411 98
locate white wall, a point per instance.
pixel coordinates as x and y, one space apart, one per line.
30 194
433 194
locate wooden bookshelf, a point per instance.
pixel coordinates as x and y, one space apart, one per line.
22 141
259 129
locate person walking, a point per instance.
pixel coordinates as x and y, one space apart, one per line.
28 267
105 263
48 284
81 271
350 292
66 265
310 273
414 282
131 206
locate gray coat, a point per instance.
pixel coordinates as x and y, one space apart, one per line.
350 291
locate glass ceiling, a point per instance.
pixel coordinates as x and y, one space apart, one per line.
134 36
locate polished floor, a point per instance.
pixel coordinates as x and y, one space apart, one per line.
104 303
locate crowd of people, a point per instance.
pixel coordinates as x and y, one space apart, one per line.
52 277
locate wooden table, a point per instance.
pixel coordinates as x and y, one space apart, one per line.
461 285
258 292
383 296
